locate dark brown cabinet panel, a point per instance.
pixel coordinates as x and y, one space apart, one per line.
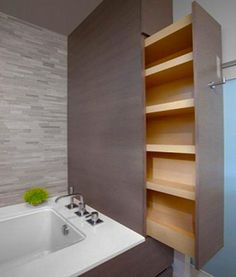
106 112
145 260
106 126
209 136
152 15
167 273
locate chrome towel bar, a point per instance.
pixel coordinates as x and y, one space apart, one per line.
213 85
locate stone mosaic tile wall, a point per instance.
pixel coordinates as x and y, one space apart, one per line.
33 109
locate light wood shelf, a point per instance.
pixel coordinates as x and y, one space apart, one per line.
181 106
174 69
170 42
169 30
170 219
169 64
174 237
166 148
172 188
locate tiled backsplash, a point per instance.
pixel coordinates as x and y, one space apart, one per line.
33 109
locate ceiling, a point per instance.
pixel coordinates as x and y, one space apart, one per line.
61 16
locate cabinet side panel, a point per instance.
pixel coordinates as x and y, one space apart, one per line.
106 112
209 135
145 260
156 14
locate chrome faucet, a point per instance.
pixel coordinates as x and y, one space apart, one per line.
72 195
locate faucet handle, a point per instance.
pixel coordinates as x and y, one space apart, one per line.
82 199
94 218
70 190
81 209
77 199
72 203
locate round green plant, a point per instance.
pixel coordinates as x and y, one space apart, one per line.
35 196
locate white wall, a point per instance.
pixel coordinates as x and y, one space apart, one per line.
224 11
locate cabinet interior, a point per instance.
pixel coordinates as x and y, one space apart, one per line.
177 90
171 129
171 42
171 173
170 136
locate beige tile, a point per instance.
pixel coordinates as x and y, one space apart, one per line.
33 109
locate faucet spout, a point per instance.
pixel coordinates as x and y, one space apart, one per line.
72 195
62 196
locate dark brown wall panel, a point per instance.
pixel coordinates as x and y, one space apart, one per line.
209 136
167 273
156 14
106 112
145 260
106 128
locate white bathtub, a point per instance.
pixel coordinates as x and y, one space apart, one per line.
32 242
34 235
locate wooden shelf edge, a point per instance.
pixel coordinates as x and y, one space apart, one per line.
172 188
170 107
178 25
169 64
182 149
176 238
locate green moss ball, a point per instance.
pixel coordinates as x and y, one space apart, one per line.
35 196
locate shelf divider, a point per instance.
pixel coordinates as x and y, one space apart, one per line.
174 237
169 64
169 148
171 107
174 69
172 188
169 30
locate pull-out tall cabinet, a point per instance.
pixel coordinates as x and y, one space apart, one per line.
184 136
